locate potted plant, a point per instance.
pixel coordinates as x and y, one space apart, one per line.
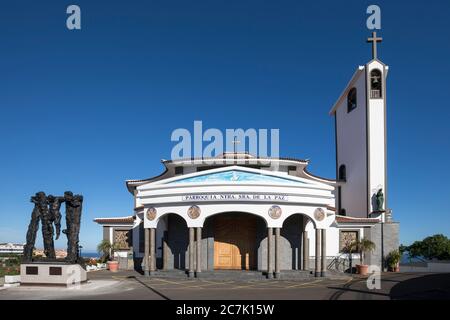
107 250
393 260
362 246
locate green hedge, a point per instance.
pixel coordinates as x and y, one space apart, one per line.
9 271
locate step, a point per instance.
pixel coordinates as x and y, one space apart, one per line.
233 274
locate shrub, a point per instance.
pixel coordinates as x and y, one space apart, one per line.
393 258
9 271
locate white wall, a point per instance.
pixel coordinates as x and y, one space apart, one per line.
431 267
377 139
137 222
361 145
351 151
332 247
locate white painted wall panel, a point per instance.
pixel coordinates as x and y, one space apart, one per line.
351 151
377 141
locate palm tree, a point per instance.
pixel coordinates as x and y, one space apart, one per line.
105 248
362 246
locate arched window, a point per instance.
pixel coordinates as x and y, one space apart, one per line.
342 173
375 84
351 100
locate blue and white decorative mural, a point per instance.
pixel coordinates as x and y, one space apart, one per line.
236 175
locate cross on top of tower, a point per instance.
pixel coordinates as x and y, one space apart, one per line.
374 41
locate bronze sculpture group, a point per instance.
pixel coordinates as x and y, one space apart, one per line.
47 211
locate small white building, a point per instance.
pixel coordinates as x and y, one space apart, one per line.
14 248
240 211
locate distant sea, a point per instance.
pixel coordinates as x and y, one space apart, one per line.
90 254
405 259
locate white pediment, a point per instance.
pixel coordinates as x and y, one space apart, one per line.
235 176
238 175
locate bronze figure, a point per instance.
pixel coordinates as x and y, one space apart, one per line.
55 213
32 228
73 218
48 211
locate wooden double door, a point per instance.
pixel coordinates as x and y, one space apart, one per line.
235 242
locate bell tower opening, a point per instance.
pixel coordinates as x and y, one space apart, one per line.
375 84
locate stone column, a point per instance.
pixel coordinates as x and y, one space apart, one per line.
308 256
191 252
305 265
318 247
323 272
269 253
146 251
165 251
152 251
199 252
277 253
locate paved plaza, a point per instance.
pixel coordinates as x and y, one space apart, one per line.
131 285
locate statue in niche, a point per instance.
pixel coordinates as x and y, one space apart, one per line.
379 200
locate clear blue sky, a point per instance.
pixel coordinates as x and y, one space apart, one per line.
86 110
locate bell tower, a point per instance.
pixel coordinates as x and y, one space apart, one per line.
360 131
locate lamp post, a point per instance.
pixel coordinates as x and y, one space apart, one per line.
79 250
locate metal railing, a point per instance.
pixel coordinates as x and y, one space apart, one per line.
375 94
339 263
342 262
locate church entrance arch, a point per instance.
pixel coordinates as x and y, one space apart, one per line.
235 240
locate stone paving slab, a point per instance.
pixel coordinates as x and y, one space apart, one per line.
131 285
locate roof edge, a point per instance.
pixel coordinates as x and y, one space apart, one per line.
130 184
355 76
248 159
317 178
127 219
347 219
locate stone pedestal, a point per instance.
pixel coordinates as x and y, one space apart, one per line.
386 239
51 273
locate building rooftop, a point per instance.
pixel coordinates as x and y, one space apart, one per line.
114 220
244 159
345 219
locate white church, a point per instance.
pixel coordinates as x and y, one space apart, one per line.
243 212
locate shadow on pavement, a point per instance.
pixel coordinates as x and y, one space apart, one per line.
150 288
357 288
427 287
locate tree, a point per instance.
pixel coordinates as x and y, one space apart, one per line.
403 248
433 247
349 247
362 246
106 249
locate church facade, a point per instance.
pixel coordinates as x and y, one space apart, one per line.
238 211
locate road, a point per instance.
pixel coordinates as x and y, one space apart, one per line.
131 286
